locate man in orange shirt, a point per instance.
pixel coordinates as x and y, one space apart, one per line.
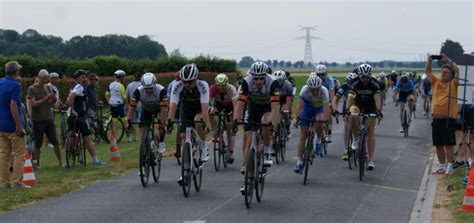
445 110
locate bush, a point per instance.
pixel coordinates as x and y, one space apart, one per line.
66 83
106 65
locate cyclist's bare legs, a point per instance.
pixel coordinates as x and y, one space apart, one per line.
402 106
230 137
199 127
89 145
266 136
355 122
320 125
346 130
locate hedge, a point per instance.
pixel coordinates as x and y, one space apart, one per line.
66 83
106 65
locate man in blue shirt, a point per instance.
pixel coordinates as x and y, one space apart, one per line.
11 130
404 91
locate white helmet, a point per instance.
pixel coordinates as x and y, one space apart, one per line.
321 69
350 77
279 74
53 74
313 82
119 73
258 68
423 76
312 74
148 80
188 72
364 70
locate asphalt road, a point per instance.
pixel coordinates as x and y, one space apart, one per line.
333 194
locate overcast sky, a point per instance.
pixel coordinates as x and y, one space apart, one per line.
348 30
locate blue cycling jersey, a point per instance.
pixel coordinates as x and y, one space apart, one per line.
328 82
405 88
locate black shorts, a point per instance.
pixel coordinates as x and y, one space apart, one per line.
188 114
366 108
117 111
255 114
227 110
79 124
442 133
147 116
44 127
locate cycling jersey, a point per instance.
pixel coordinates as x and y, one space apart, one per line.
80 101
382 85
343 91
286 90
150 102
426 85
313 105
363 95
293 84
189 101
224 97
258 99
393 77
328 82
407 88
168 90
116 91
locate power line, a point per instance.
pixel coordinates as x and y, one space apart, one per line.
308 52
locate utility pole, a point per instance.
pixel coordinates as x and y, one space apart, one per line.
308 52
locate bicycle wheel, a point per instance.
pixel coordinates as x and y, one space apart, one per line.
178 146
260 178
350 153
119 132
405 123
82 150
362 156
186 169
144 162
69 147
197 176
217 151
249 177
155 163
276 147
283 139
97 126
225 150
324 145
307 157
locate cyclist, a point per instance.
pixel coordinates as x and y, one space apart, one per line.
393 78
293 83
337 84
260 91
129 91
223 98
312 102
286 96
343 92
153 100
364 97
382 85
193 96
177 152
404 91
425 91
116 97
321 72
77 101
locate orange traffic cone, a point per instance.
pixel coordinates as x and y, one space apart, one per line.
468 203
114 150
28 175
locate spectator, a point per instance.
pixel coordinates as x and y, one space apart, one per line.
129 92
116 97
53 80
42 98
11 129
445 111
92 95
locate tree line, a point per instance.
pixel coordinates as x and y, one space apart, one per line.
32 43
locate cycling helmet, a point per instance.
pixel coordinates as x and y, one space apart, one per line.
221 79
382 74
258 68
79 73
313 82
321 69
279 74
189 72
119 73
424 76
404 79
53 74
148 80
312 74
350 77
364 70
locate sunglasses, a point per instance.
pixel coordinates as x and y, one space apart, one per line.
259 78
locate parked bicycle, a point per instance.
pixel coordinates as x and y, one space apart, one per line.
75 147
